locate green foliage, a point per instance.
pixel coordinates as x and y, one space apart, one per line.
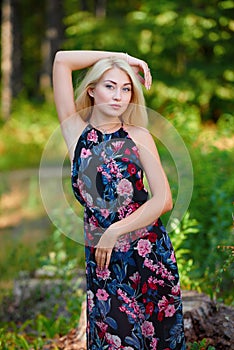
212 206
23 137
220 280
63 259
202 345
179 236
187 45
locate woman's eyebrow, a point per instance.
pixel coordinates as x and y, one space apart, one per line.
114 82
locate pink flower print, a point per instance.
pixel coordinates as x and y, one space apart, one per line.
121 212
170 310
173 257
105 213
103 327
152 283
90 302
170 276
92 136
161 282
163 303
117 145
124 188
135 151
113 168
107 176
141 232
104 274
99 168
127 151
123 308
93 223
154 344
122 245
144 247
80 184
87 198
132 207
85 153
113 340
89 236
175 290
127 201
102 294
147 329
123 295
149 263
135 278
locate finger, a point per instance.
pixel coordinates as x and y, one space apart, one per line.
100 257
141 79
148 77
108 257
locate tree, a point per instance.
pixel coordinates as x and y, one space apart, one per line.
51 42
11 55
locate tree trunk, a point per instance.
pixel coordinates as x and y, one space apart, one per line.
16 77
83 5
54 34
11 55
100 8
7 49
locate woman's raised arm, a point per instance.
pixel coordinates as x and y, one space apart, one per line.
64 63
67 61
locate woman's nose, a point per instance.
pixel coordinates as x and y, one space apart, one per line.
117 95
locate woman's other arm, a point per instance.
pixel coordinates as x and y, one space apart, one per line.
65 63
159 203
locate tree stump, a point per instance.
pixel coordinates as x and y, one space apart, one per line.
203 318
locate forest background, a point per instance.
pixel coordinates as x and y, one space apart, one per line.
189 48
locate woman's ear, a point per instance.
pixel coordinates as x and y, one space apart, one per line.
91 92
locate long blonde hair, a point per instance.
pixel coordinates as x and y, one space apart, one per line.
135 114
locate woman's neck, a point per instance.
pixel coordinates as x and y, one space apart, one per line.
104 122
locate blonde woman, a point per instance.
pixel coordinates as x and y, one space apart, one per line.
133 292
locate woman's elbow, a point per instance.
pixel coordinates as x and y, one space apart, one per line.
168 205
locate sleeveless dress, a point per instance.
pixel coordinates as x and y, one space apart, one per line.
136 302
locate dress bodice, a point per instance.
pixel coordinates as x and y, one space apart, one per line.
107 176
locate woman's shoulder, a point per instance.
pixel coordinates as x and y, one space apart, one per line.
138 133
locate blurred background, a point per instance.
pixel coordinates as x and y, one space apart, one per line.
189 48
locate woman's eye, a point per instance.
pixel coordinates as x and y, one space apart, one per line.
109 86
126 89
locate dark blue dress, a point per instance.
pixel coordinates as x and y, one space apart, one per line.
136 302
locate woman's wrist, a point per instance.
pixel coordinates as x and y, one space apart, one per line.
127 57
114 231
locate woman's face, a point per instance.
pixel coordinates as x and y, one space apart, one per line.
112 93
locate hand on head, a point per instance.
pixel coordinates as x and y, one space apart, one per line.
140 67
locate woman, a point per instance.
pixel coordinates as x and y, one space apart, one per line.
133 293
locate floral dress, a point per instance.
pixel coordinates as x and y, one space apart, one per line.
136 302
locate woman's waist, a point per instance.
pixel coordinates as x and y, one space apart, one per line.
107 216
